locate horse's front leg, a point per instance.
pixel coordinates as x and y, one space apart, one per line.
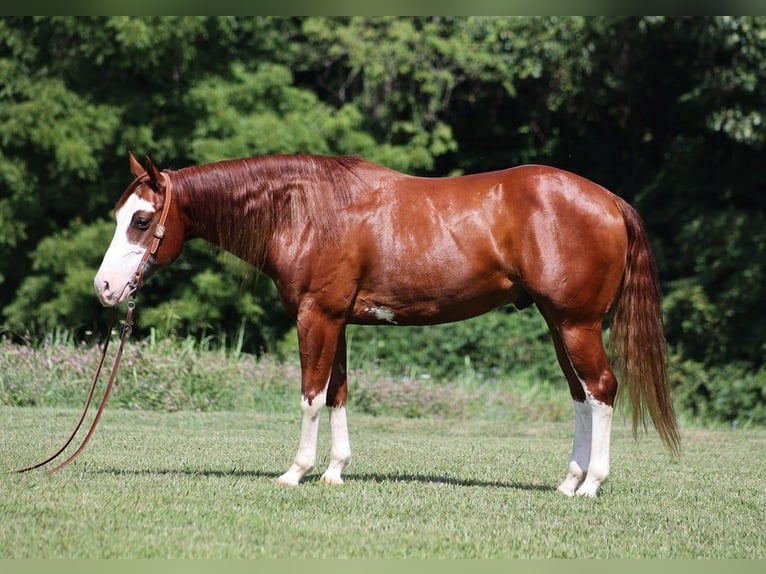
318 341
340 451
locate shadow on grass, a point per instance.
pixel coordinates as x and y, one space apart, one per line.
437 479
350 477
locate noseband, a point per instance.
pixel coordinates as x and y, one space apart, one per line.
134 285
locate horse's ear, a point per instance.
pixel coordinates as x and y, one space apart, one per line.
154 175
135 168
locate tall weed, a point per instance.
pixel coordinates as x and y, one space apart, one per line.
189 374
207 374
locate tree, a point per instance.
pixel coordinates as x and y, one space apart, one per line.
666 112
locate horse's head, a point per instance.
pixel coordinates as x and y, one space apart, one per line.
149 234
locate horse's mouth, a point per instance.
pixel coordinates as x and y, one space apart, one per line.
114 298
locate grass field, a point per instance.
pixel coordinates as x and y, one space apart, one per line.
201 485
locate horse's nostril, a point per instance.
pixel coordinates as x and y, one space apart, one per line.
104 289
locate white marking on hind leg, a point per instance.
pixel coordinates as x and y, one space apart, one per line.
341 446
598 467
307 448
578 463
589 465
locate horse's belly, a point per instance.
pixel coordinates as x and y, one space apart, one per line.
417 307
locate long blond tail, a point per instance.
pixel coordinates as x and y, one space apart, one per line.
637 340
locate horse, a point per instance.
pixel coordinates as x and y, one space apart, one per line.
347 241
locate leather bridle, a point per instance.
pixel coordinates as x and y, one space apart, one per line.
135 284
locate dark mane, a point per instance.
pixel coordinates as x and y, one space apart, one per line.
276 193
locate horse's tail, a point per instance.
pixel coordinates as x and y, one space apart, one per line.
637 340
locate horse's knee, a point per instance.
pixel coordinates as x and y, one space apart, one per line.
312 401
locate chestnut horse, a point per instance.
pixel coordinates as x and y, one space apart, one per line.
347 241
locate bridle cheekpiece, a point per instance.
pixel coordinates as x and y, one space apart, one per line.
159 233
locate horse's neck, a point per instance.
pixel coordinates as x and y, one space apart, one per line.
230 212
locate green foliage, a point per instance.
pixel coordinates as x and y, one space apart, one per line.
498 346
711 314
58 292
399 71
667 112
52 140
732 393
155 374
262 112
209 374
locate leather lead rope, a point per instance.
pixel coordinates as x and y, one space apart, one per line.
159 233
87 403
126 330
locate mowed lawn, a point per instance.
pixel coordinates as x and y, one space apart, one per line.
202 485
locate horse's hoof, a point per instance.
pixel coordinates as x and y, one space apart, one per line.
334 480
566 491
287 480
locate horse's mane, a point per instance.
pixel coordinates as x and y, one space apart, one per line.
248 200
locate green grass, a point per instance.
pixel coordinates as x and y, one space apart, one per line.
193 485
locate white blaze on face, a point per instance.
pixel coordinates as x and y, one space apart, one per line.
122 258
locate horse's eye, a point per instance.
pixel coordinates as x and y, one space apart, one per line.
141 223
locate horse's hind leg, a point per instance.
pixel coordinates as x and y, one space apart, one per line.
593 387
578 464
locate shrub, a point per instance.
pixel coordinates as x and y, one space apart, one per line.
154 374
733 394
498 345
